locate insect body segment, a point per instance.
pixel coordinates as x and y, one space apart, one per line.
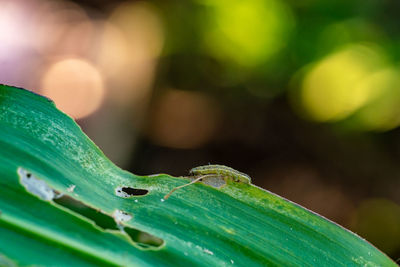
203 172
222 171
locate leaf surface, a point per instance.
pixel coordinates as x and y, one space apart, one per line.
200 225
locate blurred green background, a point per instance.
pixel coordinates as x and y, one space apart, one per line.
304 96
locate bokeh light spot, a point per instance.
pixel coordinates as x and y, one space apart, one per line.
247 32
11 22
59 24
331 90
142 26
75 86
382 113
130 43
183 119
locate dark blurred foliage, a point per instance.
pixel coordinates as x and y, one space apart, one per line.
304 96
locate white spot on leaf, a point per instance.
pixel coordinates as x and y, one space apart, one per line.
205 250
35 186
208 251
121 193
71 188
121 216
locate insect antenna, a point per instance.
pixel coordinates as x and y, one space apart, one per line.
192 182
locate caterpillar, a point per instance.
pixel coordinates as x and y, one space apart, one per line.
214 170
221 171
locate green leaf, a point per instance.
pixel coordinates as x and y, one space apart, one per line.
43 154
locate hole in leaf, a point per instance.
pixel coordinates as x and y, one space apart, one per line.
126 191
42 190
106 222
100 219
143 239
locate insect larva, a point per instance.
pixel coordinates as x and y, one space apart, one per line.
214 171
221 171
